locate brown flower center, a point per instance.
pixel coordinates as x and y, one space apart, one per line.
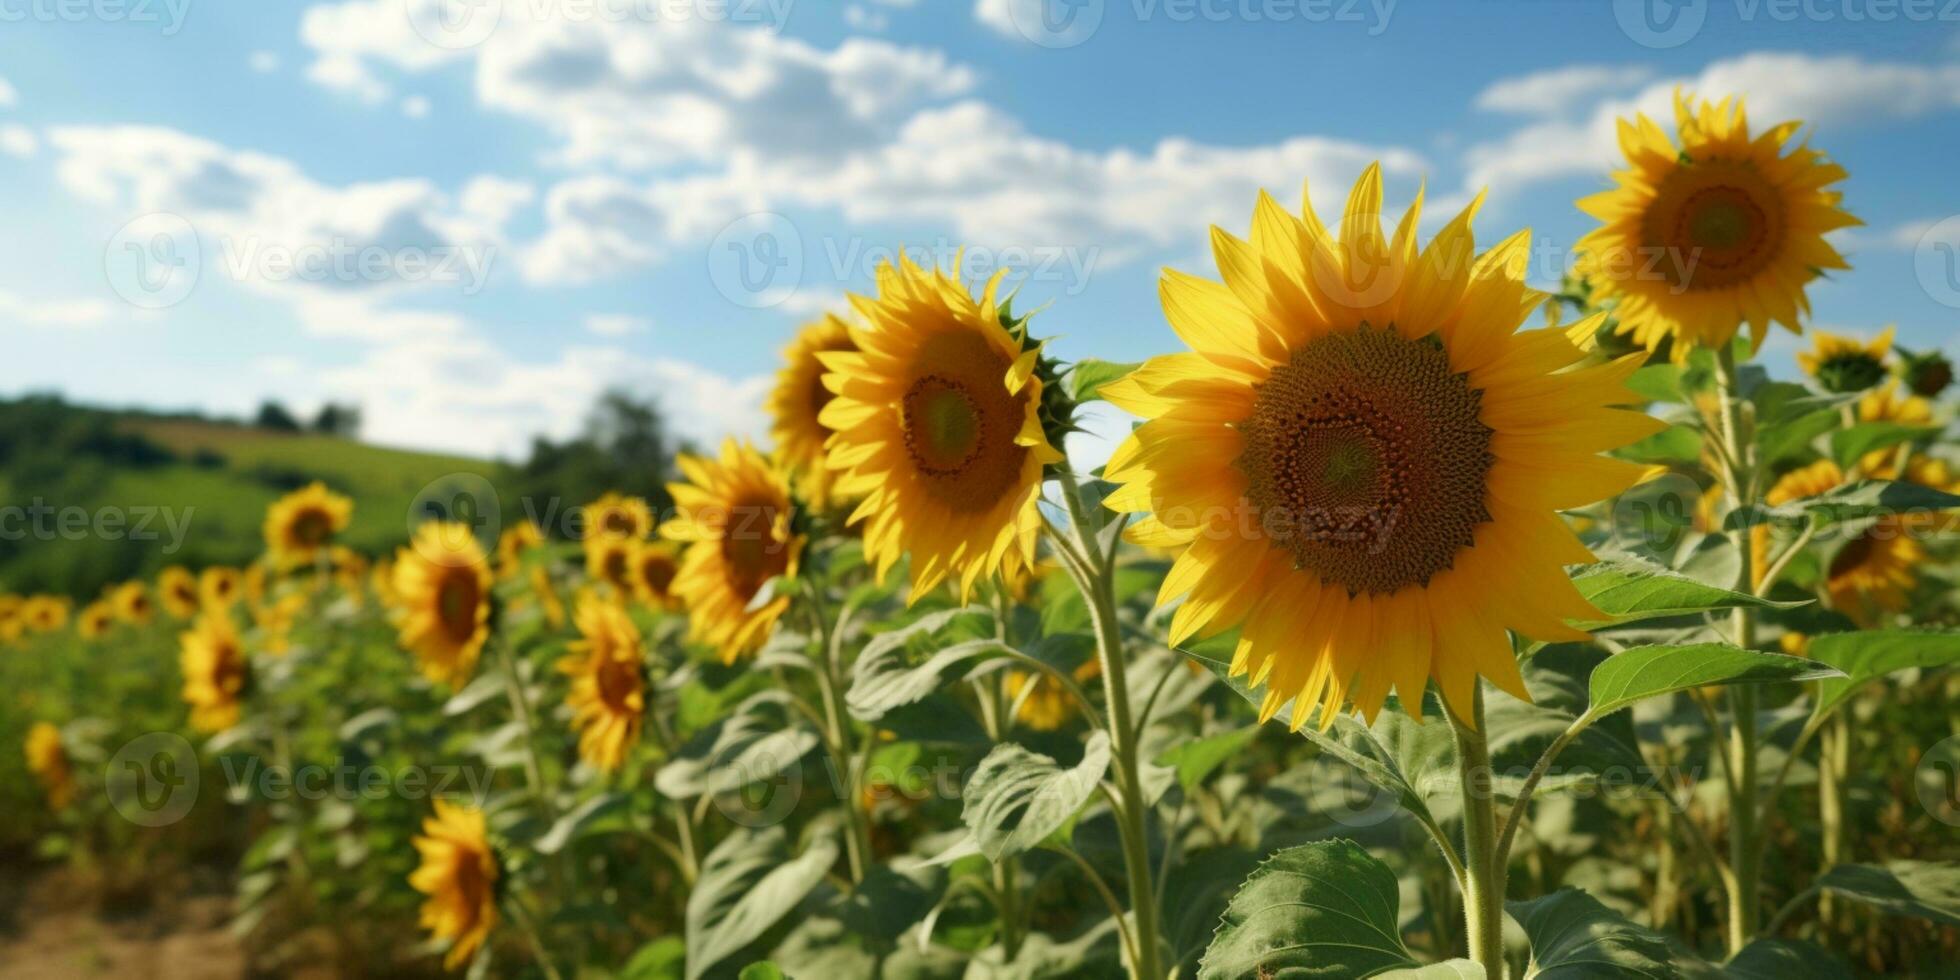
960 422
456 602
751 551
1367 459
1713 224
312 527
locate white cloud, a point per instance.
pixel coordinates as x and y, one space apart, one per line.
1559 90
861 18
18 141
1824 91
1000 15
415 107
615 324
264 62
53 313
8 97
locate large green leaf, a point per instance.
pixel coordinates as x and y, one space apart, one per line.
762 738
1573 937
1674 444
1094 952
581 821
1447 970
1645 672
1866 498
1017 798
747 884
1850 445
883 679
1790 440
1195 759
1782 959
1632 589
1320 910
1090 374
1921 889
1868 655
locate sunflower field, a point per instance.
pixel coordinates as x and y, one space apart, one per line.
1426 625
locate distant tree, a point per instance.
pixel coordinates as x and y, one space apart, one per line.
273 415
624 447
338 420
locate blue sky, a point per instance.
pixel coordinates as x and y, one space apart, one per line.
470 216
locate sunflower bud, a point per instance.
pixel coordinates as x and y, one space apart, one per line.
1926 374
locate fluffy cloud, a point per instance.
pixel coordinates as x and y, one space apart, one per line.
53 313
1560 89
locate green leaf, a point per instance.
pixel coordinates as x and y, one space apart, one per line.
762 738
882 679
1870 654
1921 889
1091 953
1657 383
1017 798
1866 498
1790 440
1194 760
1631 589
663 959
579 821
1783 959
1320 910
763 970
1674 444
1447 970
747 884
1850 445
1650 671
365 723
1573 937
1090 374
482 689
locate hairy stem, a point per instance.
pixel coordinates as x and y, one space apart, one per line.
1484 872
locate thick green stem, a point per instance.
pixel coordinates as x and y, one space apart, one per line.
1484 869
1833 762
1133 812
1745 856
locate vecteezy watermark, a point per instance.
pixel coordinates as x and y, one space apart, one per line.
337 260
39 520
757 260
1936 780
153 779
458 24
248 778
1936 260
154 260
459 500
1672 23
167 15
1067 23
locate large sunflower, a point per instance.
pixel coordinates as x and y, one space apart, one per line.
177 590
303 522
797 402
937 428
1362 461
608 695
215 671
48 761
617 516
459 874
1722 229
1843 364
733 516
654 566
442 592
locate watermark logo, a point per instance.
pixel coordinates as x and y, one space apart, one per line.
154 261
459 500
454 25
153 780
1937 781
169 14
757 260
1660 23
1056 23
757 791
1936 262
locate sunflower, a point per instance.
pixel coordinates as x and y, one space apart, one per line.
44 613
733 517
1887 403
177 590
797 402
608 695
1927 373
215 671
937 427
442 588
609 559
459 874
275 621
94 620
48 761
218 586
1721 229
131 602
1844 364
301 523
350 572
653 568
1874 573
1362 462
1043 703
617 516
512 545
382 580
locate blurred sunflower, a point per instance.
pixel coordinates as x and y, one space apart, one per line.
937 427
459 874
1875 572
609 559
95 619
215 671
654 566
300 524
255 583
798 400
1043 704
382 580
608 695
547 597
733 517
44 613
177 590
218 586
48 761
442 589
1722 229
1887 403
1845 364
512 545
131 602
616 516
1362 461
275 621
350 572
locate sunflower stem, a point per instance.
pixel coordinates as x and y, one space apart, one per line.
1483 892
1745 855
1098 591
837 732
